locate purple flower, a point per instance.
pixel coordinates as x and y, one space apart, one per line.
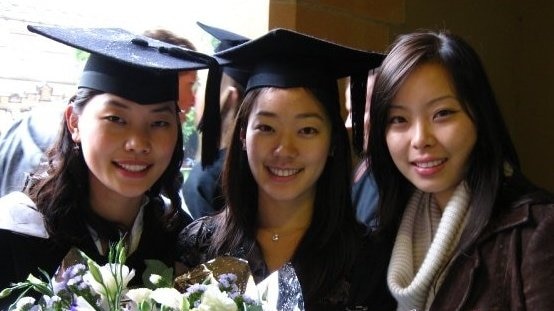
196 288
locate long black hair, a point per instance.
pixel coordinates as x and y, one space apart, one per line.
60 189
328 249
493 150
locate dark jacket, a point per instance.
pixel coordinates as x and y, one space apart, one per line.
23 144
202 189
23 254
364 288
510 267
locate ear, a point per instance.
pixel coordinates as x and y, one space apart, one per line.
72 122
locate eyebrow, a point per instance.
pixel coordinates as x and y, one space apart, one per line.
163 108
432 101
305 115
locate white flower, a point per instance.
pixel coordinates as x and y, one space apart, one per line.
24 303
169 297
155 278
112 276
214 299
51 301
139 295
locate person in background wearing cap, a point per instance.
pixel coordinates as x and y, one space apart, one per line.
287 174
188 86
364 189
23 144
119 150
202 188
188 80
467 230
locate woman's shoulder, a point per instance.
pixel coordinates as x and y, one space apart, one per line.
527 207
18 214
526 200
518 190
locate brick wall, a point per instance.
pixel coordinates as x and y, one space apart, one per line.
513 38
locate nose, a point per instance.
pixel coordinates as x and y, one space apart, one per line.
422 135
286 146
139 142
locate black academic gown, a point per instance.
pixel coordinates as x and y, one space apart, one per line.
363 288
202 189
23 254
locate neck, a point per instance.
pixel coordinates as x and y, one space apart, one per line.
284 217
279 240
281 227
116 209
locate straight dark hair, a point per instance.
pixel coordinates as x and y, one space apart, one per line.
60 189
327 250
493 150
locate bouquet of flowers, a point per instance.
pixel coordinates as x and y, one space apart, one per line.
224 283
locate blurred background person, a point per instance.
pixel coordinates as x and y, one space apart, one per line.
364 190
188 86
202 188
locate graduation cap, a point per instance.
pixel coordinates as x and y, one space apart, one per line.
284 58
227 40
137 67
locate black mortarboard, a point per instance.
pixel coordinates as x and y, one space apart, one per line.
136 67
227 40
285 58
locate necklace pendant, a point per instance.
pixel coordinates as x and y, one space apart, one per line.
275 237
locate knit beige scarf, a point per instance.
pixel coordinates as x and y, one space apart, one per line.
424 245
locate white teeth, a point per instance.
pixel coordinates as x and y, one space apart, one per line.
283 172
429 164
133 168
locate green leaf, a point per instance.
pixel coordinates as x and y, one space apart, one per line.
6 292
122 258
95 271
34 280
189 126
145 306
185 306
154 266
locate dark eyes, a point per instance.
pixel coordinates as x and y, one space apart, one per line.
160 123
121 121
308 131
443 113
396 120
264 128
303 131
115 119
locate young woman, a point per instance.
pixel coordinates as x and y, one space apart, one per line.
287 174
469 231
114 169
